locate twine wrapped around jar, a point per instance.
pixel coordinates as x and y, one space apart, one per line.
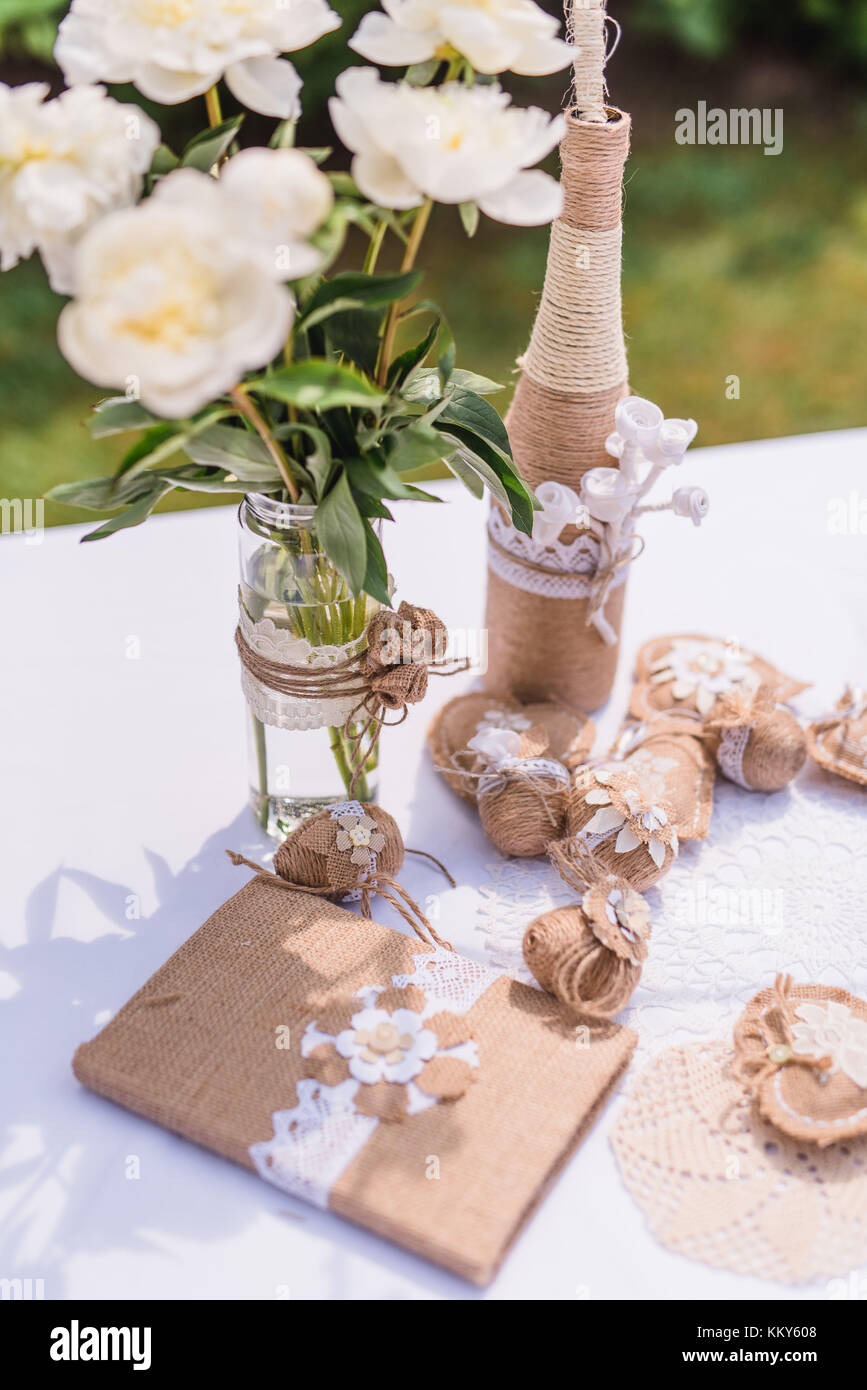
541 640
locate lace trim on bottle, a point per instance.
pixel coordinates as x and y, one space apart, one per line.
576 562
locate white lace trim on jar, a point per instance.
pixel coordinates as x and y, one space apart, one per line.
290 711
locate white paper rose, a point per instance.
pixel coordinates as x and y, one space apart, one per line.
63 164
561 507
176 49
168 301
508 35
454 144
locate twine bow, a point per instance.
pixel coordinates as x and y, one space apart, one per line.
380 884
403 649
753 1068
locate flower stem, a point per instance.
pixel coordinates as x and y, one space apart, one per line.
262 771
245 407
374 248
212 102
412 248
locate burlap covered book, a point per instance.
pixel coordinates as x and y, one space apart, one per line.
413 1090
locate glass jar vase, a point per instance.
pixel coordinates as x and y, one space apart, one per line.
297 610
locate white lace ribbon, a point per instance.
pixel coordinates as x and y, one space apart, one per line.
730 754
290 711
314 1143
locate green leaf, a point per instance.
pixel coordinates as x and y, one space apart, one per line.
417 446
99 494
354 334
238 451
375 479
319 463
208 147
498 472
376 570
472 481
118 414
156 444
133 515
473 412
191 478
420 74
318 153
403 365
372 291
344 184
319 385
340 527
471 381
163 162
469 217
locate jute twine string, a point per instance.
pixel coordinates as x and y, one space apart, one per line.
751 1070
380 683
378 884
585 27
573 374
584 964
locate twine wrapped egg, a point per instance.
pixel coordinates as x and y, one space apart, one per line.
633 812
757 744
568 735
337 849
590 955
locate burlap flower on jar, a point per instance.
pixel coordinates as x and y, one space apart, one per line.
801 1052
400 647
403 1056
838 743
683 676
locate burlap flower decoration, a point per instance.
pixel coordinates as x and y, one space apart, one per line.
619 918
358 836
389 1046
839 742
634 806
337 849
682 676
801 1052
400 647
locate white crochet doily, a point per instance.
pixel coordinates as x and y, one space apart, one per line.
780 884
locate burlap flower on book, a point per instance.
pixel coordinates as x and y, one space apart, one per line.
633 812
838 743
400 648
756 742
801 1051
569 736
684 676
403 1056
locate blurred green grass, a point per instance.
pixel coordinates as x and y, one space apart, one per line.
734 264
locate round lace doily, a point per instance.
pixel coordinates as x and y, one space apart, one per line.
718 1184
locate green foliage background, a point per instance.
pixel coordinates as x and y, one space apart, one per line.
734 263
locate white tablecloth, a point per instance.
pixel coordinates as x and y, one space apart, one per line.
123 776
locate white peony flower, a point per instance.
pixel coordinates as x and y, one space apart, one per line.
63 164
454 144
169 302
274 199
494 35
176 49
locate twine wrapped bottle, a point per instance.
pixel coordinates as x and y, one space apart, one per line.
541 644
